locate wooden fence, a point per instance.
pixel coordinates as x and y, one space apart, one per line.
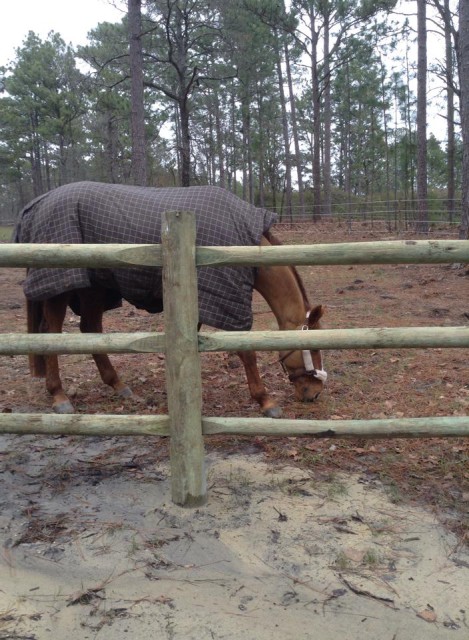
182 344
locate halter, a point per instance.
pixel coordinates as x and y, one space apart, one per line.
308 369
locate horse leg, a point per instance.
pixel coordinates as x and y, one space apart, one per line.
92 322
53 317
256 387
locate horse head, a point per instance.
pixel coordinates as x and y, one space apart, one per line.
304 367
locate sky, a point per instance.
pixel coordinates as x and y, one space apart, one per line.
73 19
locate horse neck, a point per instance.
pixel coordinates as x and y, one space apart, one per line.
279 287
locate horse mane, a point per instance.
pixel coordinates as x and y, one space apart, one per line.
276 242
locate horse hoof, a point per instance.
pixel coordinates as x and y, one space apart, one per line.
273 412
63 407
125 392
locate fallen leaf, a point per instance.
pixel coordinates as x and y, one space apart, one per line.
163 600
356 555
427 615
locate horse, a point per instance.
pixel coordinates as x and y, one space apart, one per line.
91 292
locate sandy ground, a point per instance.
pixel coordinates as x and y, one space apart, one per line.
92 547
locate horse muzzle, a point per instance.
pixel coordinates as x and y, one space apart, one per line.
308 380
308 384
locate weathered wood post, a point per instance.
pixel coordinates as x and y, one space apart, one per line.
183 375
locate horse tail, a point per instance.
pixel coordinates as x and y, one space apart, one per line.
34 313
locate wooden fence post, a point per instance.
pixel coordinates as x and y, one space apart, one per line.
183 375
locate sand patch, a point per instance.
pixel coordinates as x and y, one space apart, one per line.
93 551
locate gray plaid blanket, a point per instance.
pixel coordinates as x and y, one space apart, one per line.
91 212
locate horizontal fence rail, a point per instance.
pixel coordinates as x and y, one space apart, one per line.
392 252
382 338
158 425
182 348
133 255
406 337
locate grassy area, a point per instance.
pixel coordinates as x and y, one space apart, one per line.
5 233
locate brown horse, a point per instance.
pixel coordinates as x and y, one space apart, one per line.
283 290
90 213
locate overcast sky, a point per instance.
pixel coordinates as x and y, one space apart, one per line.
73 19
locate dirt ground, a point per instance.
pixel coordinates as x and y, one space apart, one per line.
300 538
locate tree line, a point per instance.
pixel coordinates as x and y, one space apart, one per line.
306 106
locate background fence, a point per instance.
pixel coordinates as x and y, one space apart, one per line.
397 215
182 343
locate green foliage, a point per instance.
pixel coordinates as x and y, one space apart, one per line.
40 114
368 8
5 233
437 165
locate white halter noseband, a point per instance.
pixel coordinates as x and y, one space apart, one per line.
309 368
320 374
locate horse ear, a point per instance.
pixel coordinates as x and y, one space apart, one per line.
315 315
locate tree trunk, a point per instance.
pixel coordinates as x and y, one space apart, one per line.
422 196
316 119
62 161
347 158
47 167
232 182
463 63
409 171
219 142
137 114
110 149
177 135
35 157
286 136
451 150
261 152
294 126
386 144
327 205
210 144
185 143
248 140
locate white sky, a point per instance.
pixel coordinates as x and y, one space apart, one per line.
72 19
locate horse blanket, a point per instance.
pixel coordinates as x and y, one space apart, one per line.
92 212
